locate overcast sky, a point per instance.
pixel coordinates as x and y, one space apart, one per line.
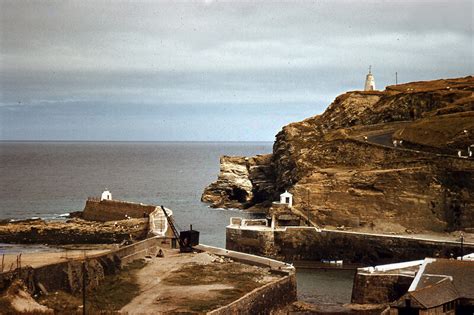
210 70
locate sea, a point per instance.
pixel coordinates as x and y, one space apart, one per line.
48 180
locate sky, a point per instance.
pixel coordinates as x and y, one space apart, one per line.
210 70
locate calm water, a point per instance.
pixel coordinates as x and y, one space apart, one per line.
49 179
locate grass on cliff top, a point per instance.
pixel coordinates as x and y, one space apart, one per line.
438 131
425 86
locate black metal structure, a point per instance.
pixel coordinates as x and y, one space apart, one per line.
186 239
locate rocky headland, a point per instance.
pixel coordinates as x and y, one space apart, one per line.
388 161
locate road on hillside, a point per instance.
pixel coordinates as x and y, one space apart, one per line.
383 139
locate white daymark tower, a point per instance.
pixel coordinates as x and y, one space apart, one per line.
106 195
369 81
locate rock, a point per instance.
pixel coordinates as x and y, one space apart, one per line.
74 231
242 182
343 168
20 301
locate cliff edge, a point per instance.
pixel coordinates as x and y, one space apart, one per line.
392 161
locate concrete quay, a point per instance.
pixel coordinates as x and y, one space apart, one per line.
293 243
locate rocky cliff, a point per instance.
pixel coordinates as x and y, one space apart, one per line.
242 182
379 160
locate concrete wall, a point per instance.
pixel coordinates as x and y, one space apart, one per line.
113 210
305 243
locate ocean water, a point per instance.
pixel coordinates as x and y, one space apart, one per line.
50 179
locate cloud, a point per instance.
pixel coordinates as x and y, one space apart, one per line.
263 54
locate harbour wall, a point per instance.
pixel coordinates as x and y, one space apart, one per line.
379 289
270 297
114 210
265 299
309 243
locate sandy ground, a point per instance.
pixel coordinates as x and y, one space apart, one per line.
159 294
45 258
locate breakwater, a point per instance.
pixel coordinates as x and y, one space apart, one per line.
310 243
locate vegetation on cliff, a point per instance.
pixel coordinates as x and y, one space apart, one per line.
379 160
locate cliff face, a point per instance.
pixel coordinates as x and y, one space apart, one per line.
242 182
386 160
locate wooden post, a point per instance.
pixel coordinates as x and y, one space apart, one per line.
84 287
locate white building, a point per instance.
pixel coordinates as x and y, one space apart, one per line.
369 81
286 198
106 195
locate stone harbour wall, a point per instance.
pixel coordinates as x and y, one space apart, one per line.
307 243
114 210
379 289
263 300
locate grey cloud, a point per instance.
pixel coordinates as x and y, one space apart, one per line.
76 55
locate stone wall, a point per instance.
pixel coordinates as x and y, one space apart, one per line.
113 210
306 243
379 289
67 276
263 300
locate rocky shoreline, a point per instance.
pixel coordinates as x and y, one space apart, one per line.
72 231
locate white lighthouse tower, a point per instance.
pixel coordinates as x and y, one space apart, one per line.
369 81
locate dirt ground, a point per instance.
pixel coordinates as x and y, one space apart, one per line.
193 283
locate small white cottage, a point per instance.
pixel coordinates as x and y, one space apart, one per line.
106 195
286 198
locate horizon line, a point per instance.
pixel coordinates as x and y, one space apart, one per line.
150 141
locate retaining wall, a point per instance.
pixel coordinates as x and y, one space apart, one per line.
306 243
67 275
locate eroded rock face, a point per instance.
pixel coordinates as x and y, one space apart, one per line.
241 183
344 169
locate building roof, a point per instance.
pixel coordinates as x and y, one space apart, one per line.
440 281
461 272
436 294
286 194
430 296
